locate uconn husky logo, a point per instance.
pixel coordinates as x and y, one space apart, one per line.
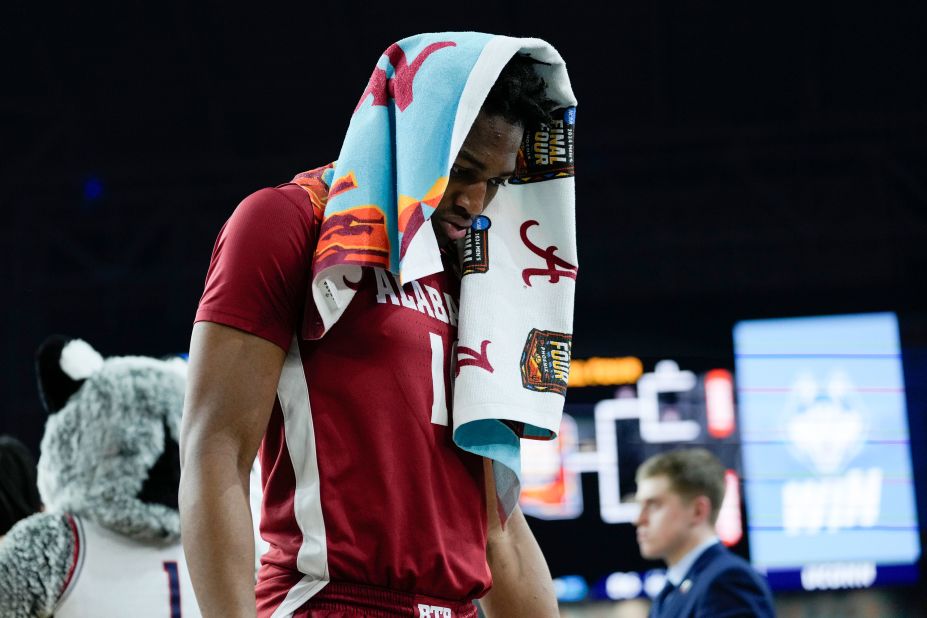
433 611
827 425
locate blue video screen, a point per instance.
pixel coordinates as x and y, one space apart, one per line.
826 451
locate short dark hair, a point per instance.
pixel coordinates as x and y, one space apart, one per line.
691 472
520 94
19 496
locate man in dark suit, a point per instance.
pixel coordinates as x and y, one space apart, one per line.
680 494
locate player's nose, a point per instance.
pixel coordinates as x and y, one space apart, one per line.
473 198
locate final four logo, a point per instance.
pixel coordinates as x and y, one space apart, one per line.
546 153
545 361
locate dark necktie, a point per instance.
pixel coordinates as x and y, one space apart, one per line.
660 601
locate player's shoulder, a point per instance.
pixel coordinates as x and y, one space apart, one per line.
305 196
268 200
272 212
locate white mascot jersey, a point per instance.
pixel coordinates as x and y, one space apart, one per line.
115 576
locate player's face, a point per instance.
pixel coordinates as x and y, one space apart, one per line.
486 160
666 520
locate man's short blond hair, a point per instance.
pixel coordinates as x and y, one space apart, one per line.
691 472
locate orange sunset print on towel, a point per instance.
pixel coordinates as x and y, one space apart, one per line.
343 184
315 186
354 236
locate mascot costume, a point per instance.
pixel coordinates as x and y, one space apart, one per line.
108 543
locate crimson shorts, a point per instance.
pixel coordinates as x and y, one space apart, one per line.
338 600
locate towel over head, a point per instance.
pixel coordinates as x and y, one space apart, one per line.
519 259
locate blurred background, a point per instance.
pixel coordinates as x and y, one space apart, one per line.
738 164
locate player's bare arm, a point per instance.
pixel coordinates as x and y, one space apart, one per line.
231 388
521 582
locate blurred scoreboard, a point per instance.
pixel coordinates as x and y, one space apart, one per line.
812 431
826 450
580 488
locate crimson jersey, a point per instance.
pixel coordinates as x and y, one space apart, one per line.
362 481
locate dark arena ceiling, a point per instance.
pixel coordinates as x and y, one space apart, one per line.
734 160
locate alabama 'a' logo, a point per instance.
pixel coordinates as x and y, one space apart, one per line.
399 86
470 357
545 361
557 267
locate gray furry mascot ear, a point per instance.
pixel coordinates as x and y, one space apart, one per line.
108 543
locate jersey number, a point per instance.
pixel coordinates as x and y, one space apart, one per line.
173 582
440 378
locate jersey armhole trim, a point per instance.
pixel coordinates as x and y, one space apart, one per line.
77 558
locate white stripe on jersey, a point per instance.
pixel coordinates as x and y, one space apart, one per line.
312 559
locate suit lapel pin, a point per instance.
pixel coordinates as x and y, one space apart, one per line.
685 586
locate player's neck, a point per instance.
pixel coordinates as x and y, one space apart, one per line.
451 259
